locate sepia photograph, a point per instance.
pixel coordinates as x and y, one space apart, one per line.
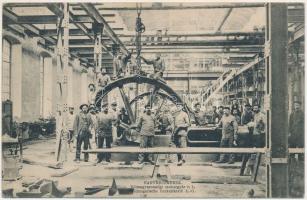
153 99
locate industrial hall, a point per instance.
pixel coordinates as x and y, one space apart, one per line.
153 99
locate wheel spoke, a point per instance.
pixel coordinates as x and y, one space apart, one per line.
127 104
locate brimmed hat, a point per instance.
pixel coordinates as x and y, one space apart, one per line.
92 85
114 103
81 106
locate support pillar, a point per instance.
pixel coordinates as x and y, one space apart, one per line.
277 99
62 52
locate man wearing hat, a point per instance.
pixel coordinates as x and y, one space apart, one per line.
119 64
229 126
92 112
296 126
82 125
146 125
181 123
103 78
104 132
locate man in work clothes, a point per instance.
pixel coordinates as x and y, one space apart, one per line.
158 65
229 134
82 125
146 125
181 123
296 127
104 132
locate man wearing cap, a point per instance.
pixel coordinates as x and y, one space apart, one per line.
181 123
229 134
104 132
158 65
296 126
103 79
82 125
146 125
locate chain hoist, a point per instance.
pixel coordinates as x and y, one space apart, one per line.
139 29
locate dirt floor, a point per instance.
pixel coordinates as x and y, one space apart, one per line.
137 176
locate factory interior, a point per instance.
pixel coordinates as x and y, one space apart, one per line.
153 99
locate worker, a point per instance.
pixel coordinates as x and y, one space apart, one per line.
158 65
119 64
247 115
82 124
296 126
180 124
219 115
199 116
91 94
258 135
70 126
93 128
104 133
229 134
235 106
236 113
122 118
259 127
164 122
146 125
103 79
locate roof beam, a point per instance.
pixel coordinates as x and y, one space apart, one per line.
52 19
181 7
228 12
95 15
191 34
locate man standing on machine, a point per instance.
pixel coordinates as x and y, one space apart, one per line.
158 65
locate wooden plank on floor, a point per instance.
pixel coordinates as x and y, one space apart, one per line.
64 173
56 165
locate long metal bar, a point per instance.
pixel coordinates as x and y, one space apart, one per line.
127 104
95 15
187 150
228 12
185 7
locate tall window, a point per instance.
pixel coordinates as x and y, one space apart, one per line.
6 70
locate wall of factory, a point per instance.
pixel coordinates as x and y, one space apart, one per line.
33 80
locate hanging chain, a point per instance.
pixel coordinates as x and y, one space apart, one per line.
139 29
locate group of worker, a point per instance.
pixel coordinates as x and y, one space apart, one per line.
125 64
90 123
